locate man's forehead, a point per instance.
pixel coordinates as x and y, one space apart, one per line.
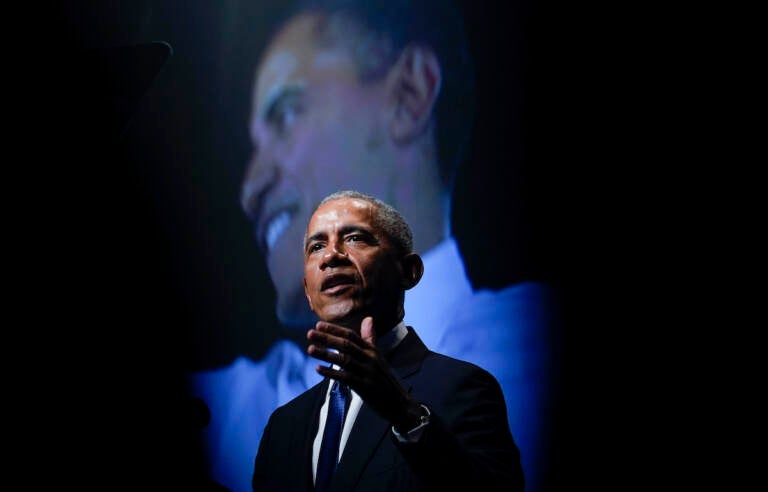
343 209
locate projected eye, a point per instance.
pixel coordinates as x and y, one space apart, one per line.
283 113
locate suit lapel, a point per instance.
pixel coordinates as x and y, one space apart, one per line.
407 357
369 428
307 438
368 431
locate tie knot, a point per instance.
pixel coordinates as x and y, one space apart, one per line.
340 390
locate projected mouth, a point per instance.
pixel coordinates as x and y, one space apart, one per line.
275 229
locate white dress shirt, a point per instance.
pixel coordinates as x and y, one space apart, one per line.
387 342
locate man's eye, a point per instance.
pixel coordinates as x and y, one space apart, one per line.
358 238
315 247
284 120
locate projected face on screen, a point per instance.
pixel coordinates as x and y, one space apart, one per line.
316 128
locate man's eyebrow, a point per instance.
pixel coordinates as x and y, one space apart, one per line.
349 229
318 236
343 231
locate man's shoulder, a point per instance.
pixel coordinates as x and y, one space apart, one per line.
442 376
450 367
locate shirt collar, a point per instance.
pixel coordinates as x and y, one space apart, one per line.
388 341
391 339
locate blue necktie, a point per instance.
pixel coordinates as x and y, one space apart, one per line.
329 449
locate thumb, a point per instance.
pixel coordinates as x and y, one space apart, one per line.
366 331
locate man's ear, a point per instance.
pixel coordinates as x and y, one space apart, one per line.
307 296
413 269
413 85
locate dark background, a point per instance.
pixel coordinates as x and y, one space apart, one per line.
143 264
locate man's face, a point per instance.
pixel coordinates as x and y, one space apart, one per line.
350 266
315 129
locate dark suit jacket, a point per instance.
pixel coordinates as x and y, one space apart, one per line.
467 443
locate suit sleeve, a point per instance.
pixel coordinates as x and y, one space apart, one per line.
467 443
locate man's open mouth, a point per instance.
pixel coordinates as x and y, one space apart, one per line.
337 280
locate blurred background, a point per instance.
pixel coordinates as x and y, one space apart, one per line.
177 126
146 260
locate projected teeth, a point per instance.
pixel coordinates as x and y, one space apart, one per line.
276 228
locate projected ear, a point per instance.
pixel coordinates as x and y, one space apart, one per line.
413 87
413 269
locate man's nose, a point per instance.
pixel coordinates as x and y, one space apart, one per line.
334 255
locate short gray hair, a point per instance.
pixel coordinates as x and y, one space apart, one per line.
385 217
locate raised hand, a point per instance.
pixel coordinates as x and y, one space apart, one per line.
363 369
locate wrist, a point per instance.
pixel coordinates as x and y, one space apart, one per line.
415 418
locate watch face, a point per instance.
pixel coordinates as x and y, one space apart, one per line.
424 419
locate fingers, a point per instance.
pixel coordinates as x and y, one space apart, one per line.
337 337
341 359
334 344
341 346
338 331
340 375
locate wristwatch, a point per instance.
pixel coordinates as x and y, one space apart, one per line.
423 420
